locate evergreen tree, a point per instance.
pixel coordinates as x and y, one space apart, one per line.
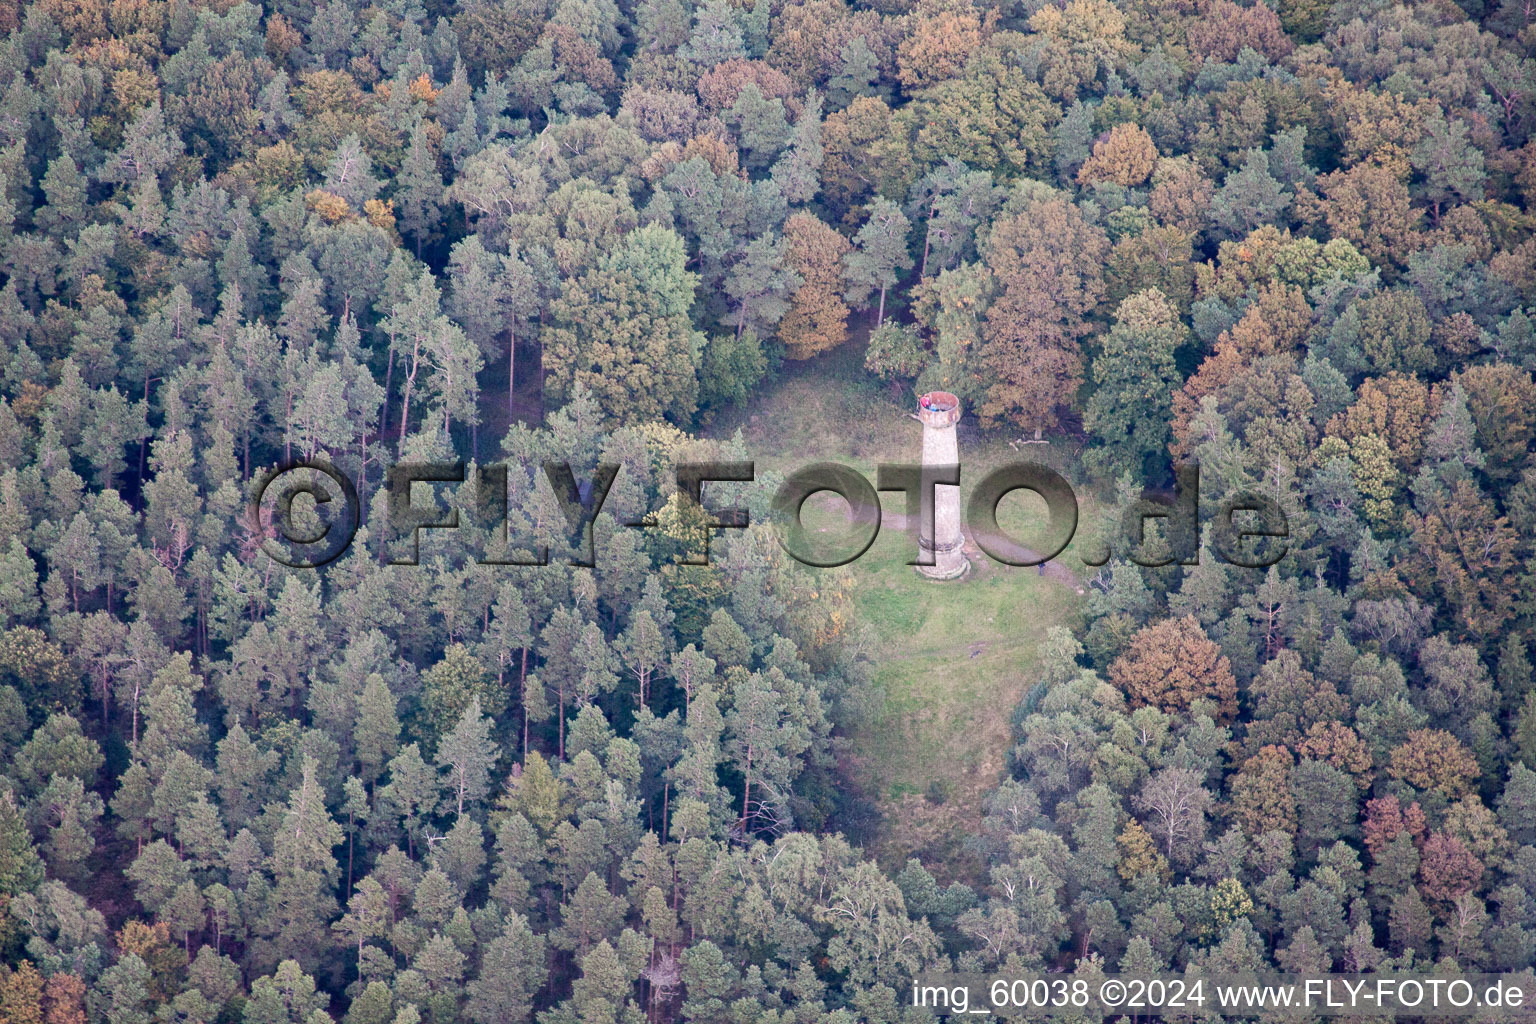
1137 358
467 755
879 257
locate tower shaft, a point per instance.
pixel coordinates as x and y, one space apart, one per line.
939 411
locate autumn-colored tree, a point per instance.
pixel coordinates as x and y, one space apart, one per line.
1278 322
331 208
1288 699
1048 263
152 944
1139 854
1242 264
1335 743
1080 44
64 999
579 58
1368 206
942 36
1468 555
1261 793
807 39
82 20
817 316
1124 156
1502 400
722 157
1378 127
1171 664
721 86
21 995
1386 819
1434 759
1447 869
1222 28
1396 408
1181 194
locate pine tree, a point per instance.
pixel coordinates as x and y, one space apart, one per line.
1452 168
304 872
642 647
450 686
20 869
411 793
760 284
858 73
880 256
65 189
72 817
467 754
591 914
242 774
1249 197
147 149
18 585
376 734
512 973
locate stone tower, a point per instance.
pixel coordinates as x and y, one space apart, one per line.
939 411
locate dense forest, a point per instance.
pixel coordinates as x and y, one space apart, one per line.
1294 244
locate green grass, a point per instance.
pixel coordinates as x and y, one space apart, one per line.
954 659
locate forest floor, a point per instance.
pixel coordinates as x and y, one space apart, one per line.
953 659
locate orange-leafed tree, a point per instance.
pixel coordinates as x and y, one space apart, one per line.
1125 156
943 34
1337 744
1386 818
1448 869
64 999
1224 28
1370 207
1171 664
817 319
1048 261
21 995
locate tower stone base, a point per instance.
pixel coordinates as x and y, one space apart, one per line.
950 568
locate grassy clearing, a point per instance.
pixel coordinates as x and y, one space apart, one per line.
954 658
